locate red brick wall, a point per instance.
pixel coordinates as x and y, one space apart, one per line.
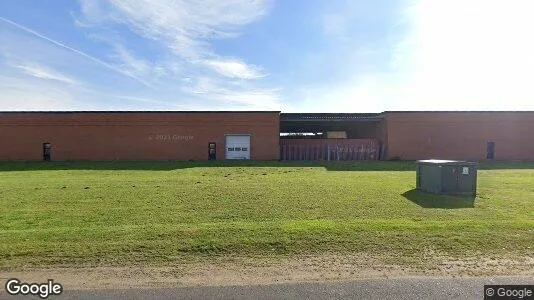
134 136
460 135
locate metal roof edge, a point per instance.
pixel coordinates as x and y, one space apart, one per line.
257 111
456 111
134 111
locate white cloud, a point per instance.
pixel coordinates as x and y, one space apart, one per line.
185 29
185 26
253 99
33 94
352 96
455 55
236 94
188 22
234 68
471 53
64 46
130 63
46 73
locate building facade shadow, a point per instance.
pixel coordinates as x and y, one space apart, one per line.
175 165
159 165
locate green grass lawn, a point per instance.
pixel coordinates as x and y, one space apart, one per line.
120 213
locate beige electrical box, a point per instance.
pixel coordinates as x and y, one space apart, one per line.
336 135
447 177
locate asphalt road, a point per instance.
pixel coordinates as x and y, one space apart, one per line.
405 288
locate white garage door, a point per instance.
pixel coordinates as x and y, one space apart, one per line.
238 147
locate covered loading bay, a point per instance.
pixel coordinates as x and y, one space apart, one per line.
327 136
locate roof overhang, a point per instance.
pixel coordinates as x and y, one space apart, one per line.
330 117
320 122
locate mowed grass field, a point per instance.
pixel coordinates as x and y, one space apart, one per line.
122 213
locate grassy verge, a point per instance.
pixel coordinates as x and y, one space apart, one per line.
118 213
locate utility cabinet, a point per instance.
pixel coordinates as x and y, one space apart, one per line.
447 177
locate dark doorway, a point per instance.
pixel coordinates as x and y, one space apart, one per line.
490 152
47 151
212 151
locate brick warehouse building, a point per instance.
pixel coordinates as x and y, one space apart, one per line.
460 135
138 135
412 135
256 135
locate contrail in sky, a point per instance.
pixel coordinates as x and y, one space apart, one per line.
94 59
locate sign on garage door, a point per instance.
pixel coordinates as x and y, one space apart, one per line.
238 147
